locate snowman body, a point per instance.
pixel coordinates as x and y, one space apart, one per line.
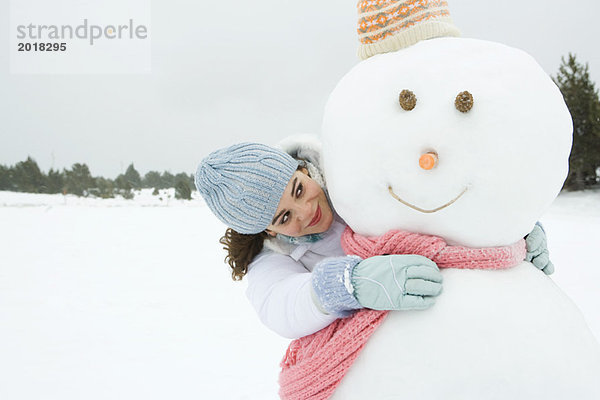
492 334
509 334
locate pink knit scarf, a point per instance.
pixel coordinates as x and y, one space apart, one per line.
314 365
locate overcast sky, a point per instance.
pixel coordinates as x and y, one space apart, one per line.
224 72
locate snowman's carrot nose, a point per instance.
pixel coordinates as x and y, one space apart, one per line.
428 160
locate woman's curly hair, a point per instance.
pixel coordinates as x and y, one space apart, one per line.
241 250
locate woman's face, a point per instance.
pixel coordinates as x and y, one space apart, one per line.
303 208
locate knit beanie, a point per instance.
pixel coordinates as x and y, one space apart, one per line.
243 184
390 25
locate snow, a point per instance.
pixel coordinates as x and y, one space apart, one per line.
106 299
143 197
573 229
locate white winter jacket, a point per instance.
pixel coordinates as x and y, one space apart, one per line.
279 278
279 283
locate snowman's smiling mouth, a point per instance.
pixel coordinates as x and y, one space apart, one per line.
395 196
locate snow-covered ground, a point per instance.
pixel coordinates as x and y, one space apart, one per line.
127 299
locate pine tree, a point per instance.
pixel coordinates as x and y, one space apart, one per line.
182 176
581 97
183 189
192 182
6 178
55 181
122 183
27 177
105 188
167 180
151 180
123 187
78 180
133 177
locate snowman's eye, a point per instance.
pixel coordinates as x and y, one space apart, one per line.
464 102
408 100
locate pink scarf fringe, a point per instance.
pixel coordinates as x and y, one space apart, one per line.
314 365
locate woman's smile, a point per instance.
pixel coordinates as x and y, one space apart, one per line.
316 218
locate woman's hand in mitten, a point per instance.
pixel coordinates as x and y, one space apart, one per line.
397 282
537 250
393 282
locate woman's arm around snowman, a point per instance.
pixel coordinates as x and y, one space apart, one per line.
294 302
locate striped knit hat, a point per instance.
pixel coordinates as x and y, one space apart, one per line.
390 25
242 184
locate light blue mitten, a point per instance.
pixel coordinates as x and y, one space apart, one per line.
393 282
397 282
537 249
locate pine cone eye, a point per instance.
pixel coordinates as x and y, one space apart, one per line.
408 100
464 102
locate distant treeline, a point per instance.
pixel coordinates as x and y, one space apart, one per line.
26 176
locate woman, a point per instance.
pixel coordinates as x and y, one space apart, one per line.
284 235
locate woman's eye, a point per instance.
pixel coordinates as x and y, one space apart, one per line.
285 218
299 190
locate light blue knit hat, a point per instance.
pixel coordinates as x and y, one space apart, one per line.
242 184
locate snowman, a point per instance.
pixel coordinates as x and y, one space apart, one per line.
467 140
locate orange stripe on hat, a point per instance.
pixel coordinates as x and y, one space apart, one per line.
389 25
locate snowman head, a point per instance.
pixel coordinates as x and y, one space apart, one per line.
460 138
